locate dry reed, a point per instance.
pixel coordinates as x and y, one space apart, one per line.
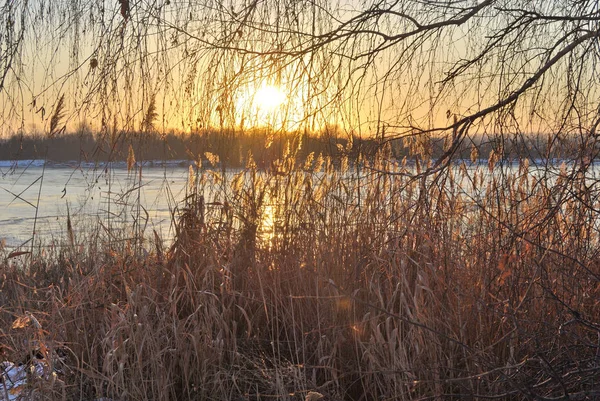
342 281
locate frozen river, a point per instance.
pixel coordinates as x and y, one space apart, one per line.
34 198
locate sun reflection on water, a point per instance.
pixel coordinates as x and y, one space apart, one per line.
267 226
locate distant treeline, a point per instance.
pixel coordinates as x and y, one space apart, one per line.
234 147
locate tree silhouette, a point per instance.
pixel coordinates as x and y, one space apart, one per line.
388 68
514 82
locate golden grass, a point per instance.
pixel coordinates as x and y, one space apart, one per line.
363 286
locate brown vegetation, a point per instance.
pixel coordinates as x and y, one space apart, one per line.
230 146
233 146
358 285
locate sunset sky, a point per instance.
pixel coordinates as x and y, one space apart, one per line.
247 65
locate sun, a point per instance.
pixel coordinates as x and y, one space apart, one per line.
264 105
268 97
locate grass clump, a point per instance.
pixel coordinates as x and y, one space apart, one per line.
328 278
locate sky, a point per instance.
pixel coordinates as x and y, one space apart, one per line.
199 65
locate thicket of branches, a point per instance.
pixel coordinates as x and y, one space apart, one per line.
390 68
470 281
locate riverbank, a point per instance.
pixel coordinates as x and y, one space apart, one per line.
365 288
231 148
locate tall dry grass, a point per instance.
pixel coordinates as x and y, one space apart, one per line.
472 283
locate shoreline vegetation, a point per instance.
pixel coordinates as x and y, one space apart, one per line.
306 278
232 147
437 238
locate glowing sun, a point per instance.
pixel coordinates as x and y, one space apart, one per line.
269 97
